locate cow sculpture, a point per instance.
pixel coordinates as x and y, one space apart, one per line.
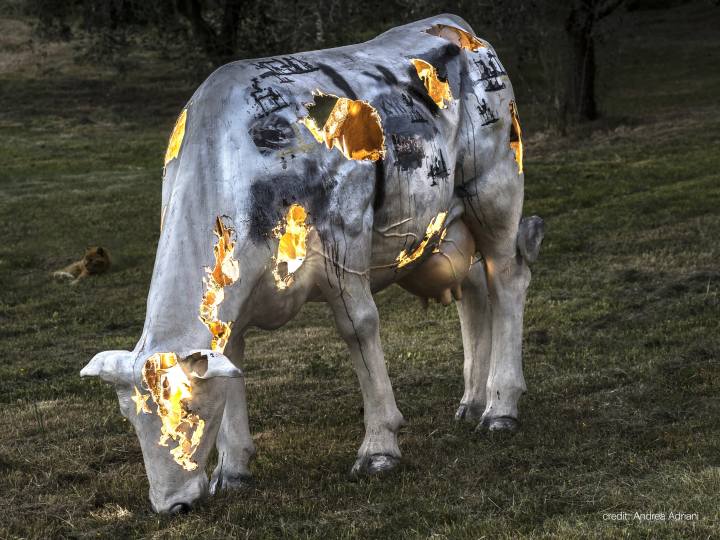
328 176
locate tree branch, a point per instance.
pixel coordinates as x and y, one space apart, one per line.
192 11
227 39
606 9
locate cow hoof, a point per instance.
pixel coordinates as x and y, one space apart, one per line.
499 423
179 508
228 482
374 465
469 412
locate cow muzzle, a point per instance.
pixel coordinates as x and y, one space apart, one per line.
182 499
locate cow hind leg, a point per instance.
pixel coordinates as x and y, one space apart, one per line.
508 280
476 325
507 246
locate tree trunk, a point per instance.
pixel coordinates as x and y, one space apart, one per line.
579 28
583 77
220 46
228 37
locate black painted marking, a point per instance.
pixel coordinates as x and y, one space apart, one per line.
405 107
282 68
409 152
438 168
401 117
271 197
271 133
416 117
267 99
490 71
487 114
338 80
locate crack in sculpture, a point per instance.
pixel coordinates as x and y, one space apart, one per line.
292 247
351 126
225 272
459 37
437 89
171 391
176 138
433 228
516 137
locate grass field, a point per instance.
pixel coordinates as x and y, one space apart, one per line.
621 347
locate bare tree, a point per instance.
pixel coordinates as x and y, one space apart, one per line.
581 25
558 39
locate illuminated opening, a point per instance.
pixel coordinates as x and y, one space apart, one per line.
516 137
351 126
438 89
433 228
225 272
176 138
171 391
292 248
459 37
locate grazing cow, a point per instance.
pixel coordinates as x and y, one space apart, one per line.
328 176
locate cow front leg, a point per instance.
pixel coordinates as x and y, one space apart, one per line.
234 443
476 325
357 320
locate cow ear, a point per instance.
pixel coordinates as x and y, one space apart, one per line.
529 237
111 366
207 364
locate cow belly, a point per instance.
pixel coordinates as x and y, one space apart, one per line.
441 274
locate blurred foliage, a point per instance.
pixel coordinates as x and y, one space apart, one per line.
553 43
224 30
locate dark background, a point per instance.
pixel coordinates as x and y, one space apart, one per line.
622 320
551 47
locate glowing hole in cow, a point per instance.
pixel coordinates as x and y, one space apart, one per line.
171 391
225 272
459 37
292 249
176 138
516 137
435 226
438 89
351 126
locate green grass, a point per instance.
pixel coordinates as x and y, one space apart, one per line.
622 357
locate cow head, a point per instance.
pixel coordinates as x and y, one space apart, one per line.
175 403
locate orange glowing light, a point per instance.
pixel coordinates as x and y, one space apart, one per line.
435 226
176 138
292 248
438 89
171 391
351 126
140 401
516 143
225 272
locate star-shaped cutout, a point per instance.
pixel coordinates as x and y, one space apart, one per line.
140 402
